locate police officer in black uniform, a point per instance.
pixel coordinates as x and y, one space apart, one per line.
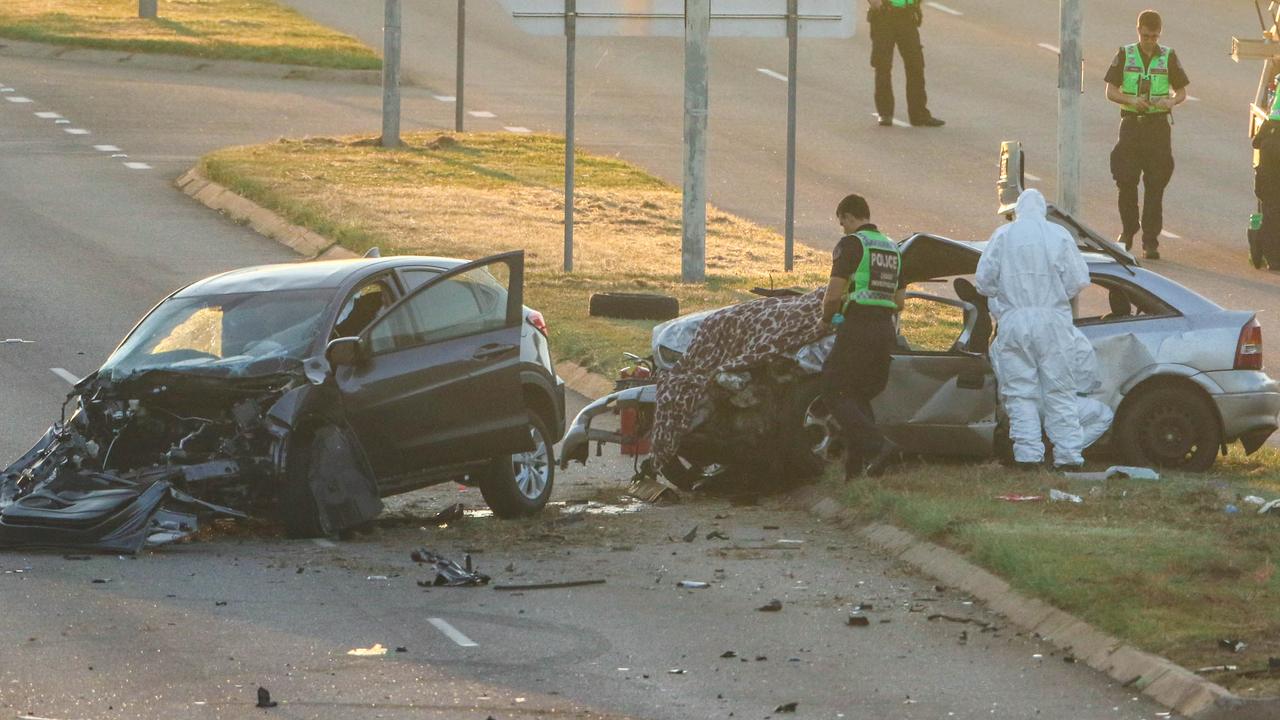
861 299
897 22
1147 80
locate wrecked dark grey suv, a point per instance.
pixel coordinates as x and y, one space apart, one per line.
310 390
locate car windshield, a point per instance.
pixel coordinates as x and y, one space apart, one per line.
241 334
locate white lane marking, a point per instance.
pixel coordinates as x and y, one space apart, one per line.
75 131
48 115
119 155
1051 48
516 129
481 113
445 98
1032 178
62 121
65 374
896 121
137 166
1168 234
452 633
18 99
106 148
16 341
772 74
324 543
6 89
943 8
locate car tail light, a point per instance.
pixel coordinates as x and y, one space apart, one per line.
1249 349
535 319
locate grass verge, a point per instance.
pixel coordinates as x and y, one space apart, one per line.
254 30
1164 565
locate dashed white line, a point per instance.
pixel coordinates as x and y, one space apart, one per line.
445 98
1032 178
75 131
62 121
1166 233
1051 48
943 8
106 148
324 543
516 129
481 113
772 74
18 99
452 633
137 166
47 115
65 374
896 121
6 89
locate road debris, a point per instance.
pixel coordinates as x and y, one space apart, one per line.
962 620
693 585
787 707
453 513
1116 472
264 698
647 488
1218 668
691 535
448 572
402 649
717 535
1014 497
551 585
1060 496
677 671
1235 646
772 606
1269 507
859 621
728 654
375 651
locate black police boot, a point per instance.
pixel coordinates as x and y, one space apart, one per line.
889 454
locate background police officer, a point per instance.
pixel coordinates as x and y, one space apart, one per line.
897 22
861 299
1147 81
1265 244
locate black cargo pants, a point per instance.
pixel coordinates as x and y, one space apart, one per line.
855 372
1143 153
898 27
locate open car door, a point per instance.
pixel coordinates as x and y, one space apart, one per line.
441 383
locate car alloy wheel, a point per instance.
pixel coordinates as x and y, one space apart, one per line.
821 432
531 468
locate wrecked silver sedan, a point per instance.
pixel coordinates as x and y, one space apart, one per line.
307 391
1182 375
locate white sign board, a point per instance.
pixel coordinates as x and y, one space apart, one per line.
665 18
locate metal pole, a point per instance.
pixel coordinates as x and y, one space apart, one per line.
570 61
1070 88
697 28
460 72
790 223
147 9
391 75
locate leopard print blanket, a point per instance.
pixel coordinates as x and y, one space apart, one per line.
735 338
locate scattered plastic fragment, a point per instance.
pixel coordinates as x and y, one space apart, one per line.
785 541
1014 497
717 535
101 581
219 603
962 620
728 654
1218 668
453 513
1254 500
1231 509
1269 507
689 536
376 577
647 488
677 671
1116 472
401 649
1058 495
772 606
1235 646
264 699
859 621
374 651
448 572
787 707
551 585
693 585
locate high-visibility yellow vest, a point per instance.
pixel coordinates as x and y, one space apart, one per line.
1155 75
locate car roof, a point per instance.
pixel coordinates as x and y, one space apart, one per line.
313 275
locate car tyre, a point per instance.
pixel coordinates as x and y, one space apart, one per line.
299 509
1170 427
811 435
519 485
634 306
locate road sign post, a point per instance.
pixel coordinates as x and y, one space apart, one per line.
789 223
570 69
460 69
1070 88
697 30
391 75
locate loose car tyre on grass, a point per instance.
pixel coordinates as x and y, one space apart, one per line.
634 306
1170 427
519 485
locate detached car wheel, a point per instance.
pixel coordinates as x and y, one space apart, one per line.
1169 427
519 485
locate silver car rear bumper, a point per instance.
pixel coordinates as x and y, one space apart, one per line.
1248 404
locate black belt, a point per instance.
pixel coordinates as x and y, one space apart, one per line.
1144 117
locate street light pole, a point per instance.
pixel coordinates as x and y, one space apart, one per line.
461 67
570 63
789 224
1070 88
147 9
391 75
693 245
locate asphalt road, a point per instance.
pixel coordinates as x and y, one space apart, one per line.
91 243
989 75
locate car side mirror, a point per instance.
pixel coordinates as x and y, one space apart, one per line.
344 351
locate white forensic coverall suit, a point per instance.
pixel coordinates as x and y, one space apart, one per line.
1031 267
1095 416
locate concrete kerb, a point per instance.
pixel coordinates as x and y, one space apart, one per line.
1161 680
183 63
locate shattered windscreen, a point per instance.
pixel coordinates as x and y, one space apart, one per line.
239 334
